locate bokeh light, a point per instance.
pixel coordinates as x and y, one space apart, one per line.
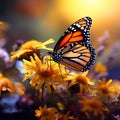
105 14
51 17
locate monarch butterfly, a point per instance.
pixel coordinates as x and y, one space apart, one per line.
73 49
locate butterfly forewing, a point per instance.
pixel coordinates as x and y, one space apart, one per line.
77 32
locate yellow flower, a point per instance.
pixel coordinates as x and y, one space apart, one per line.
104 88
6 84
81 79
43 72
30 47
100 68
93 105
19 88
116 87
45 113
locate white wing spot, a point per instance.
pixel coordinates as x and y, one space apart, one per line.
82 28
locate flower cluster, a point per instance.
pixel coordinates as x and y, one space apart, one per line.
6 85
28 48
61 94
82 95
43 73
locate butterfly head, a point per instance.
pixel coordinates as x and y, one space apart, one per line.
56 57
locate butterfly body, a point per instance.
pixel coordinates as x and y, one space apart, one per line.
73 48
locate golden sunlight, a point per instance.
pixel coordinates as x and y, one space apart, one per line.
104 13
93 8
91 2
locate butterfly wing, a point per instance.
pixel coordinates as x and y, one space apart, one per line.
78 57
77 32
73 49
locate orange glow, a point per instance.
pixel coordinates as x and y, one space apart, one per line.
93 8
104 13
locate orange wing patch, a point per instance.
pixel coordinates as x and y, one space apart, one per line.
65 40
82 23
76 39
76 34
72 64
71 38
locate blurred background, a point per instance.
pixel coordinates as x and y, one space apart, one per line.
44 19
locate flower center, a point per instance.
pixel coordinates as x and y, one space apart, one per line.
81 80
104 90
45 73
45 112
93 104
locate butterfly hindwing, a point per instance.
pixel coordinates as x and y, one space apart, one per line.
78 56
77 32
